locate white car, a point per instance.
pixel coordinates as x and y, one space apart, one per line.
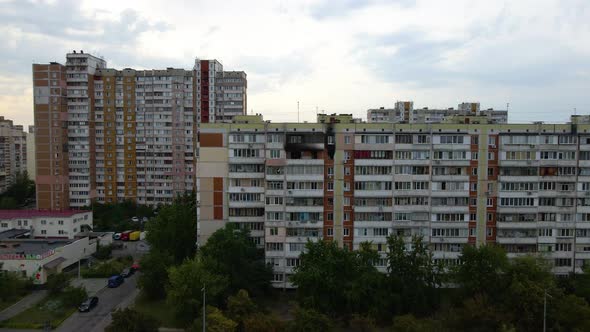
135 219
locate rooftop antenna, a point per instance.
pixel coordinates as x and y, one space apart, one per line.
507 106
575 111
298 111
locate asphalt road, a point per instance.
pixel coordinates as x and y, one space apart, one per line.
99 317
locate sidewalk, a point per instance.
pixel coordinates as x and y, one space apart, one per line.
92 285
22 305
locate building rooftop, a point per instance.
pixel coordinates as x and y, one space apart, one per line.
15 214
13 233
30 246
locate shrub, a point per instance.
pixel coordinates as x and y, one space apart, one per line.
103 252
57 282
73 296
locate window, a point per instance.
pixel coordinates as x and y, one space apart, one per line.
346 232
330 216
346 155
346 201
60 222
330 171
346 170
330 231
330 186
346 216
275 154
43 232
347 139
331 140
346 186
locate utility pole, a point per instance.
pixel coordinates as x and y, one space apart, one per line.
204 309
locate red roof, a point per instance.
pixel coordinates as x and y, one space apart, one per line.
15 214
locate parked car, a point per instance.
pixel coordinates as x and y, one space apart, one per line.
87 305
135 219
115 281
117 236
135 266
128 272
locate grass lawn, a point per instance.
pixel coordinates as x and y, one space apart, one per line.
8 303
49 309
158 310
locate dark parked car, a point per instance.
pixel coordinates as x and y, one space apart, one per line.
128 272
87 305
115 281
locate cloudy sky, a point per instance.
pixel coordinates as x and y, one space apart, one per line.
337 55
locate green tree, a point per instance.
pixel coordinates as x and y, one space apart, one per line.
12 285
154 274
73 296
185 288
569 313
174 230
412 277
476 314
336 281
409 323
307 320
263 322
8 203
482 271
362 323
216 322
129 320
529 277
103 252
240 306
18 194
57 282
324 277
230 252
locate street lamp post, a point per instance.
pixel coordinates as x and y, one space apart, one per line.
204 312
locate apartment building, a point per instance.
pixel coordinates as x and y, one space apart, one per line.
31 170
525 187
404 112
13 152
111 135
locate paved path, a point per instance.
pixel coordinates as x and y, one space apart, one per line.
22 305
100 317
92 285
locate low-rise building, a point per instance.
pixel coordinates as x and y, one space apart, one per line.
47 224
38 259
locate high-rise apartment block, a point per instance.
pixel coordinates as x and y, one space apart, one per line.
404 112
110 135
13 152
525 187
